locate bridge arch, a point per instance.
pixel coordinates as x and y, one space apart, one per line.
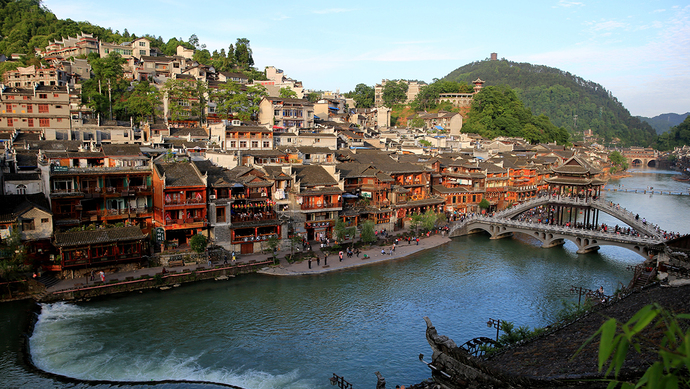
552 236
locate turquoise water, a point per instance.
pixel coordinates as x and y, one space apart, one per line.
294 332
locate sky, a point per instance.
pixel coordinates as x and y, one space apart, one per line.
638 50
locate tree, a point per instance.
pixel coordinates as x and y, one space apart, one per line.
484 204
13 256
313 97
429 220
363 95
243 54
143 101
107 85
186 99
342 232
273 243
194 41
198 243
416 220
367 235
394 93
237 101
425 143
673 350
287 93
618 161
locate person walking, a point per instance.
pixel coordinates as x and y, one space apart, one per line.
318 261
357 252
225 259
340 256
309 263
417 241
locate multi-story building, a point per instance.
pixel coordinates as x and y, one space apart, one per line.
35 107
27 77
85 189
81 45
179 200
318 195
286 113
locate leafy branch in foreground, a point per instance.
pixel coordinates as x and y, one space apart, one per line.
673 350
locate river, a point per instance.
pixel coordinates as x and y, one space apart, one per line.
259 331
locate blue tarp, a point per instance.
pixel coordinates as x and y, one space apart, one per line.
438 127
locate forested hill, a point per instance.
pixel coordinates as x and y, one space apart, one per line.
665 121
560 96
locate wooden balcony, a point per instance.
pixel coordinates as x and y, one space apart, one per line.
324 205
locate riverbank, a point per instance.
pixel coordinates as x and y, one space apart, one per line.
369 256
156 277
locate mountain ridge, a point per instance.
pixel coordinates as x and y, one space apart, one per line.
664 122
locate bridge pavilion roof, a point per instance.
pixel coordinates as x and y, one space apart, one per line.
577 181
576 166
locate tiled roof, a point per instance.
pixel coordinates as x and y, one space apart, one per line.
14 206
311 175
193 131
121 150
180 174
107 235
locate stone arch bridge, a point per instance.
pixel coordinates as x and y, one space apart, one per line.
504 224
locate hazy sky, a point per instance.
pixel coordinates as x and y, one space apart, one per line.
639 50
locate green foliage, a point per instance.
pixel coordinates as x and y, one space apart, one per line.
560 96
107 86
342 232
243 54
394 93
142 102
497 111
13 256
618 161
427 96
484 204
424 142
617 339
273 243
512 335
198 243
429 220
236 101
367 234
186 99
313 97
677 136
363 95
287 93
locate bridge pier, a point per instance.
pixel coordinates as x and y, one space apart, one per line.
553 243
587 250
501 236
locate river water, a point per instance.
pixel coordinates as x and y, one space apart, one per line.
260 331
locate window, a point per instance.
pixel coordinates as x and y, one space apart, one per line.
142 43
9 107
21 189
29 108
42 96
45 220
28 225
243 143
58 107
43 108
31 122
267 144
10 122
10 97
142 52
59 120
233 144
56 95
255 144
44 122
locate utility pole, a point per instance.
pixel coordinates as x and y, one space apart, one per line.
110 100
